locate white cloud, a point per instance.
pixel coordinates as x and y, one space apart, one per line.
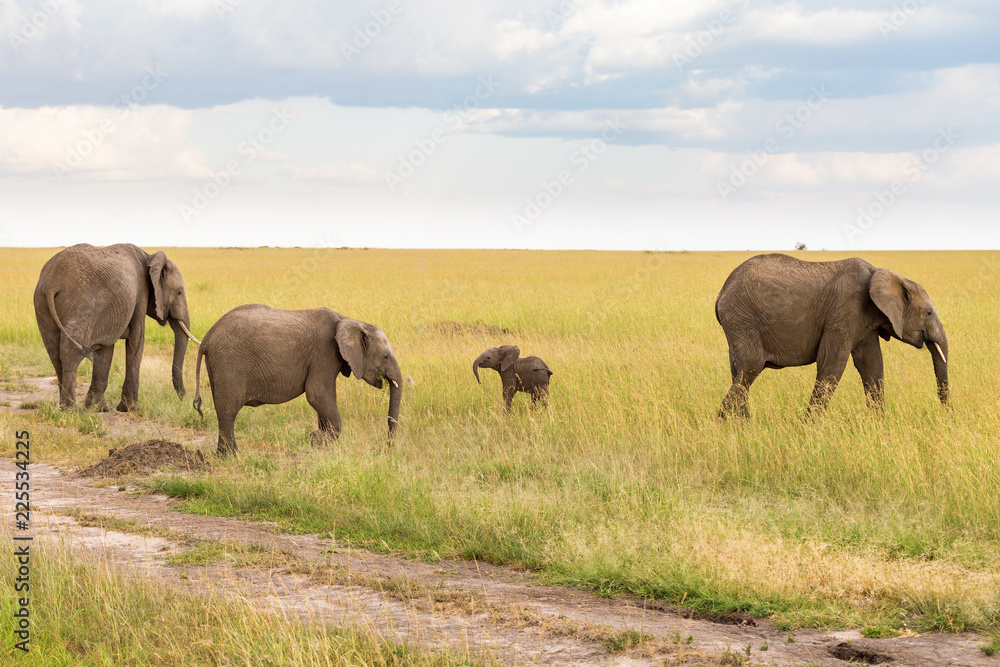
185 9
354 173
99 143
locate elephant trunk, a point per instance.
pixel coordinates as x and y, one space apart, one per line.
180 349
938 347
395 396
475 368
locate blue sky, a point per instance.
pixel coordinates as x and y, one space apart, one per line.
636 124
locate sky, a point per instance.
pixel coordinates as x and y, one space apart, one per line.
627 124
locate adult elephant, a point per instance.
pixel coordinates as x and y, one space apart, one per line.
88 298
780 311
257 355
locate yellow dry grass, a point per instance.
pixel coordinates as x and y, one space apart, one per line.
629 482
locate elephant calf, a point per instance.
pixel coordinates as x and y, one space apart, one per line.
529 375
257 355
779 311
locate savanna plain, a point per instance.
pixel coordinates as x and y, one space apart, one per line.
628 483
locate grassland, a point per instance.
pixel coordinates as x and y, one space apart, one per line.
92 614
629 483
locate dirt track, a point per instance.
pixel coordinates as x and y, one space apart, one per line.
471 608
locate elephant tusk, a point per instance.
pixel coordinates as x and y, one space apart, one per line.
188 333
943 358
393 383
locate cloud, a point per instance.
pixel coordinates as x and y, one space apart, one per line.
354 173
99 143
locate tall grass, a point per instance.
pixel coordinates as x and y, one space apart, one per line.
93 613
629 482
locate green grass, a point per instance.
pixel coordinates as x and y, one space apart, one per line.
629 483
91 614
879 632
234 554
625 641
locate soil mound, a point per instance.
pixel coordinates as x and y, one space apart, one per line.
145 457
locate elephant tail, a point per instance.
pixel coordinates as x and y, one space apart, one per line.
197 382
84 350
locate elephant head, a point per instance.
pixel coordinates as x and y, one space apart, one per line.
913 319
499 359
168 303
370 357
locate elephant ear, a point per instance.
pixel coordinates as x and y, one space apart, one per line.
352 342
157 264
888 291
508 355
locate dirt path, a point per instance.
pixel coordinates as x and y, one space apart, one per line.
483 611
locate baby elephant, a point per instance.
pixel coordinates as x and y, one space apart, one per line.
257 355
529 375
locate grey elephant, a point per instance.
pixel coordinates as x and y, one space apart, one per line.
88 298
779 311
530 374
257 355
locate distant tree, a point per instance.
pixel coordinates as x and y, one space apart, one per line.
801 246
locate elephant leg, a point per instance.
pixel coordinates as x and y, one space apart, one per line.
539 393
508 396
227 425
52 347
867 356
831 361
99 379
744 368
133 359
70 359
324 402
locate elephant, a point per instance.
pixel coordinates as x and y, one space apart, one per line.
779 311
87 298
530 375
256 354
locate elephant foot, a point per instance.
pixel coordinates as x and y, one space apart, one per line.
322 438
225 449
99 407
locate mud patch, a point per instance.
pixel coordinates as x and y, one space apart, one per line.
142 458
728 618
452 329
858 655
